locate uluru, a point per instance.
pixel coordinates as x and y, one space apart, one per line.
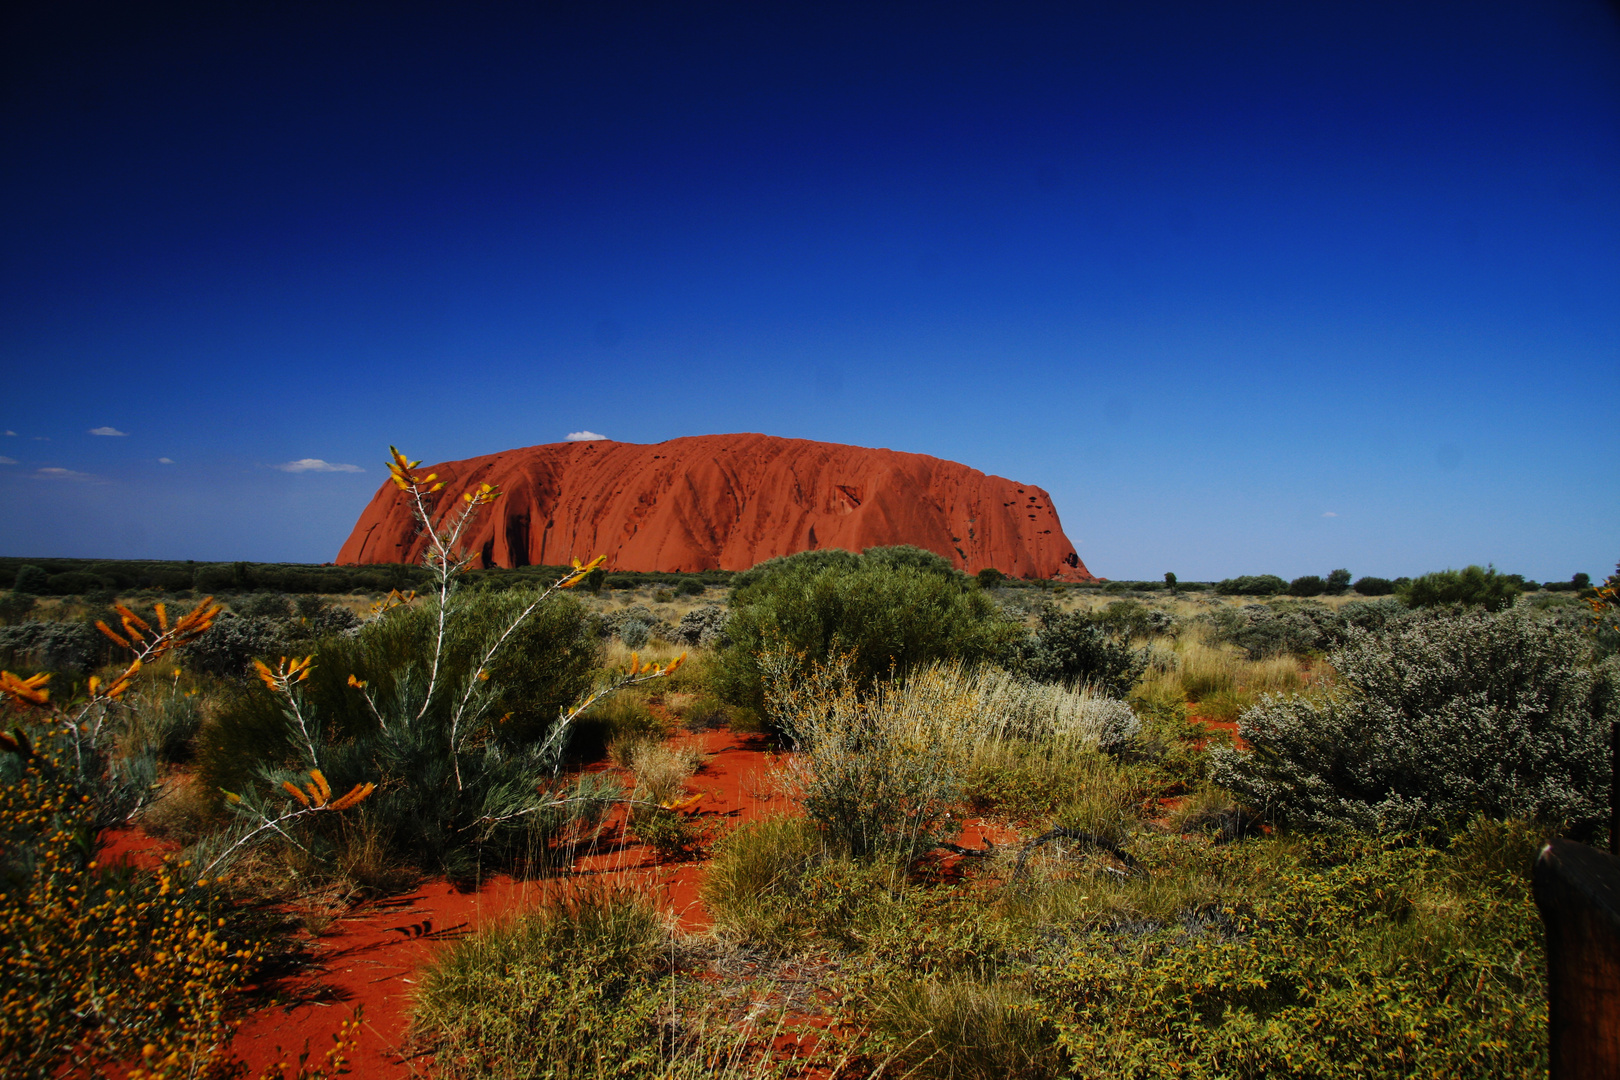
727 502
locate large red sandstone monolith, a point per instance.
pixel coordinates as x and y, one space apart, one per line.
727 502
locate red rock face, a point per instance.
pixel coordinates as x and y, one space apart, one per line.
727 502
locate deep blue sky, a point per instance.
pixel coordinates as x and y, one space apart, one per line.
1247 287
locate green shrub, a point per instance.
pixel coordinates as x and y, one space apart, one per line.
1309 585
568 990
1338 582
889 610
234 641
989 577
1253 585
1071 647
71 647
1277 629
1374 586
1132 620
1483 588
1437 719
15 607
1347 961
31 579
449 788
690 587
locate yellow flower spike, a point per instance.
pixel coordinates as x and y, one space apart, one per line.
635 663
675 663
130 617
483 676
356 794
162 617
357 683
24 691
230 796
324 788
95 684
266 676
436 487
292 789
107 630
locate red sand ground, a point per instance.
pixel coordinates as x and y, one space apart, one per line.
370 956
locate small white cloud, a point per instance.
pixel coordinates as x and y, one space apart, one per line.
51 472
165 461
108 431
11 433
8 461
314 464
583 436
42 438
1329 513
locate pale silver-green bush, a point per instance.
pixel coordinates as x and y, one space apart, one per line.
1434 720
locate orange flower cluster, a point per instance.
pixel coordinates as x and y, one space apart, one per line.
394 599
317 793
652 670
25 692
399 470
577 574
138 637
285 673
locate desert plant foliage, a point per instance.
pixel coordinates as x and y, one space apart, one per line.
1436 719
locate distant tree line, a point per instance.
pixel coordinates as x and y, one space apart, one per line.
84 577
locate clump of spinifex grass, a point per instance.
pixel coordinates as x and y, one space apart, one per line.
880 771
572 988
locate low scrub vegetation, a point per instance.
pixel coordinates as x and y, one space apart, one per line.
1334 884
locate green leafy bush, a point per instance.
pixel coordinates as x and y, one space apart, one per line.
1374 586
1436 719
1252 585
458 767
1132 620
1309 585
1277 629
31 579
1472 585
15 607
1353 961
1338 582
888 610
53 646
1071 647
234 641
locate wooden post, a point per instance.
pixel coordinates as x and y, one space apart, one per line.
1577 889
